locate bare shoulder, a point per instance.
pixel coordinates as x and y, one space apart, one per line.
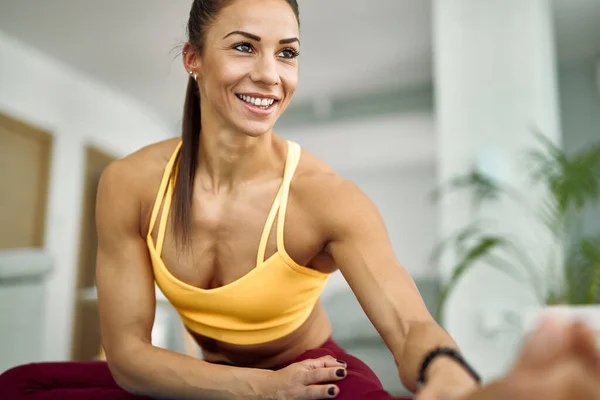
316 179
138 168
130 183
325 195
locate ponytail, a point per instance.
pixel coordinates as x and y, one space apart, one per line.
186 165
202 14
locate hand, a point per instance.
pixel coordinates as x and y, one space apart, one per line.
560 361
305 380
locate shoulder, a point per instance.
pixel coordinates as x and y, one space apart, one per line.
131 181
326 196
315 179
139 168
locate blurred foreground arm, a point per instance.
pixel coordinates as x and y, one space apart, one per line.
560 361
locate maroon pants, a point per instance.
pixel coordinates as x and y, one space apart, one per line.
93 380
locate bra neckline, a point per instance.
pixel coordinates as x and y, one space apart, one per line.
287 260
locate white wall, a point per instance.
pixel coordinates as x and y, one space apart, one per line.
392 160
77 111
494 83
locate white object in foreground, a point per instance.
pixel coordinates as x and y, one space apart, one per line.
588 314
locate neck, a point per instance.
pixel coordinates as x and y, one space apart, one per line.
227 158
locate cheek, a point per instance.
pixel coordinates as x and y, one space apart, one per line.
226 73
289 78
233 72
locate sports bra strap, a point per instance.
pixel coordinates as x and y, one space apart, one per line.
293 160
262 247
165 195
290 166
162 188
162 227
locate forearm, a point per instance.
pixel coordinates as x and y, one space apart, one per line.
420 339
150 371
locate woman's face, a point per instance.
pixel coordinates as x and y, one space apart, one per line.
248 71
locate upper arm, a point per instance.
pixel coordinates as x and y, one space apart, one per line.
124 278
359 243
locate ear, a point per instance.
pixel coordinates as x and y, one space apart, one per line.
191 59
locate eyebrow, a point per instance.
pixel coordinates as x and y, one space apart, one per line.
258 39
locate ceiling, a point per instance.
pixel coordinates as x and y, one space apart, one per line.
348 46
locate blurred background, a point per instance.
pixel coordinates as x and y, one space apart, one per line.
399 96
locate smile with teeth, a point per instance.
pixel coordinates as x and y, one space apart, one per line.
256 101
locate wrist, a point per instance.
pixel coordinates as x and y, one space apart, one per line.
445 364
446 369
251 384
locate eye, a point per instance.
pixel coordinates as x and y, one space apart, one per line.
243 47
289 53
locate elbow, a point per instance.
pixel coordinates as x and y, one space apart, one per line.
125 371
409 382
125 382
408 376
122 373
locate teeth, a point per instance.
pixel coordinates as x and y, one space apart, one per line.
257 101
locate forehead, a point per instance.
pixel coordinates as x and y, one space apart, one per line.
265 18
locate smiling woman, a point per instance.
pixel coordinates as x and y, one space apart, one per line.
241 229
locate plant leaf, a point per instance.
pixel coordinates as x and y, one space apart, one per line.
483 187
583 271
573 180
481 249
462 235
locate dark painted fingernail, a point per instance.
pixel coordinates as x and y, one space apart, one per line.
331 391
340 372
341 361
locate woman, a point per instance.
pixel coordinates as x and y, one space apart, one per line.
245 238
241 230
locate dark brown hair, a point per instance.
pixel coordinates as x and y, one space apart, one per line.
202 15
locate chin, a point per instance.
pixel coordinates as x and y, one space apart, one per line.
255 128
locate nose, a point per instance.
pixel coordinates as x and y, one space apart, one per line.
265 70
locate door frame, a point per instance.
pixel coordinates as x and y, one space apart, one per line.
94 157
46 140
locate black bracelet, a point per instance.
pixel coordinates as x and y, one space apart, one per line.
445 351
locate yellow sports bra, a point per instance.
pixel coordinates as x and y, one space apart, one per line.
269 302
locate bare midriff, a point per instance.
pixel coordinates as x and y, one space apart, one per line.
312 334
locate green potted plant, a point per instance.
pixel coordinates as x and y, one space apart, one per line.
572 183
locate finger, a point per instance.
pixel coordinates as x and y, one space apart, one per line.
569 380
323 362
425 395
547 343
584 344
315 392
322 375
498 390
